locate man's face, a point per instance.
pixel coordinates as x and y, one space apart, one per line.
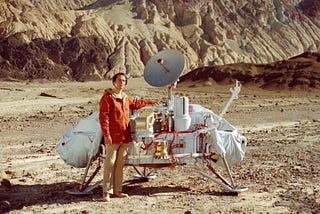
120 82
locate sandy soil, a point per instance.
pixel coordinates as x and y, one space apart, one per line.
281 168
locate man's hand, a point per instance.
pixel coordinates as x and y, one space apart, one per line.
107 140
154 103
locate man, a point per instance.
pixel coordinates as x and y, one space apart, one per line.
114 119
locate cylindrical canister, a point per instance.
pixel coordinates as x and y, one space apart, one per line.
182 119
170 121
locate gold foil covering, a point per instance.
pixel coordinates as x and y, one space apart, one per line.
145 120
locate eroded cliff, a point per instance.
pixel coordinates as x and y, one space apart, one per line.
93 39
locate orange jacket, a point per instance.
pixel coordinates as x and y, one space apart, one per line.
114 116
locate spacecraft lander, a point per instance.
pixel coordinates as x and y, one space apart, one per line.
175 133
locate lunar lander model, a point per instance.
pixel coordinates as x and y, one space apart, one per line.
171 134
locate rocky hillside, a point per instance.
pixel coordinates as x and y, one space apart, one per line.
297 73
92 39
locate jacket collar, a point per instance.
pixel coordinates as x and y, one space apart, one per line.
119 95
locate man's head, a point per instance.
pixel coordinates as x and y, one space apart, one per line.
120 80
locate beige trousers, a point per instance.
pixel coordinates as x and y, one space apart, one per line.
113 167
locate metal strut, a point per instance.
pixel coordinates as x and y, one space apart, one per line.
84 188
144 175
230 187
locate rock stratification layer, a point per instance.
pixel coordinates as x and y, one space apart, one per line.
93 39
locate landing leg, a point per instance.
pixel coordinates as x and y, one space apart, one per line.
223 182
84 188
145 174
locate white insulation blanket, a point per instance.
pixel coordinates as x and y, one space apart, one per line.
81 141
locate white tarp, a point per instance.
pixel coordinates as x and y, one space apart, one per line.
231 145
81 141
224 137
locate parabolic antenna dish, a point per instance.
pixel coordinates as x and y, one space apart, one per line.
164 68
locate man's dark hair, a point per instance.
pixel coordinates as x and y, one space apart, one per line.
116 75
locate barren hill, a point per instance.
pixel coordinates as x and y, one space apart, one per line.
301 72
93 39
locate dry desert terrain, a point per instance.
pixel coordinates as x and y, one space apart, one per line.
281 167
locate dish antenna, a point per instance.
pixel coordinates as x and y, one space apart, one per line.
164 68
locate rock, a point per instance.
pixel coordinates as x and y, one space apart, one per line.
5 183
4 206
